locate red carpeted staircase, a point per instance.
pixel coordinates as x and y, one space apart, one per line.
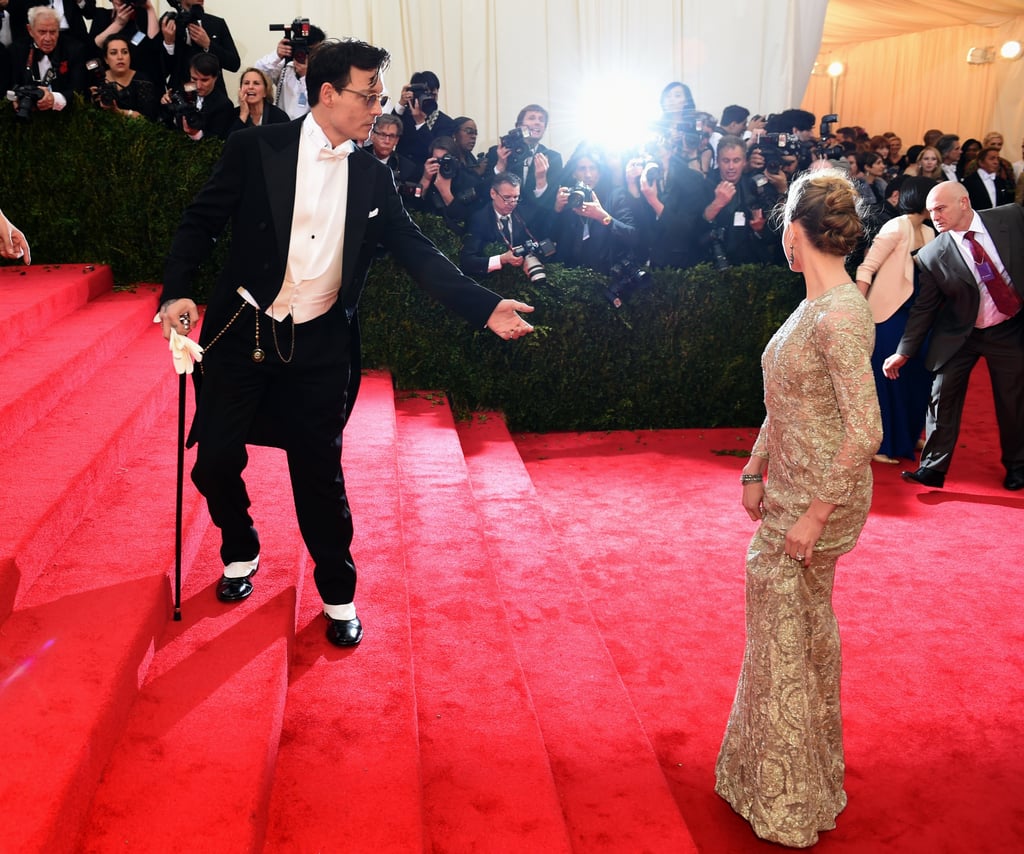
554 626
240 728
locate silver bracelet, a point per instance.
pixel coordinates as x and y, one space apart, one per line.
751 478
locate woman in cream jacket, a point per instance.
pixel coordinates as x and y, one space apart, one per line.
887 278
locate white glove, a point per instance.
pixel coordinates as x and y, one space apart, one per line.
184 351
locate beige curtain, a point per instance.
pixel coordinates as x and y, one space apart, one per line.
918 81
597 65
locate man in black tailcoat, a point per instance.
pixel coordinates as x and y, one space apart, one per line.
308 209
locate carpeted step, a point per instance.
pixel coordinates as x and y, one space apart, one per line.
70 456
65 355
35 297
72 656
193 768
487 781
613 791
347 775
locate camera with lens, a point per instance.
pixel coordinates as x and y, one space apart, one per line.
516 141
624 277
26 97
182 17
422 93
447 166
820 149
106 91
578 194
297 35
652 173
719 259
528 250
183 106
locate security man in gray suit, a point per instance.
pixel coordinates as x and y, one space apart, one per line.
972 281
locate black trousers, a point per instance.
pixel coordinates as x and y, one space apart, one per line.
301 387
1002 346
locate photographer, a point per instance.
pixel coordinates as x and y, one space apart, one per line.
51 71
734 215
201 34
589 232
422 119
287 70
137 22
520 152
500 224
673 193
201 109
122 89
387 130
446 188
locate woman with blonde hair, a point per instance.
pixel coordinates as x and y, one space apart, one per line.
927 165
256 102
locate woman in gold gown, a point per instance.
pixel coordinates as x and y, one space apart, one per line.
808 482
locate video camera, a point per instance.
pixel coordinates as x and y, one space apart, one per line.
26 97
427 104
528 250
182 17
297 35
183 106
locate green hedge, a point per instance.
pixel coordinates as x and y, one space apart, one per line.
683 352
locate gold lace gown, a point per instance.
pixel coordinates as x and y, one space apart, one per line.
781 762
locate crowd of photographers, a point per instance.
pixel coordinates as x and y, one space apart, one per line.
696 190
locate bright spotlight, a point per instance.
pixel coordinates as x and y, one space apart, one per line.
836 69
1010 50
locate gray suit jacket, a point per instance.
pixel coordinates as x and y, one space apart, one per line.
948 300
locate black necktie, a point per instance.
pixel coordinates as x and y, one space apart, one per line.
506 229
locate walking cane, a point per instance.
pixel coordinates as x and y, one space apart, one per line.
178 494
183 352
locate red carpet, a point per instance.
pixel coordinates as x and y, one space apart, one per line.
928 606
553 630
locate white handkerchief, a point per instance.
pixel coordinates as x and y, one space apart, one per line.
373 213
184 351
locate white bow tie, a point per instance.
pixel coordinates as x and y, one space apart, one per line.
332 154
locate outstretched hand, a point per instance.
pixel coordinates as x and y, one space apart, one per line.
505 321
12 242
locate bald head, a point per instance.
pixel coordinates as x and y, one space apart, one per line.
949 206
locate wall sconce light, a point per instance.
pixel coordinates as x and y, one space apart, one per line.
981 55
1011 50
835 71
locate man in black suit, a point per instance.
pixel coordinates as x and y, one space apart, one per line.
422 118
214 113
536 165
209 34
972 277
499 225
45 60
308 208
986 188
71 15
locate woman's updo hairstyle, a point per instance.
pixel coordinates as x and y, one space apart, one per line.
826 204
